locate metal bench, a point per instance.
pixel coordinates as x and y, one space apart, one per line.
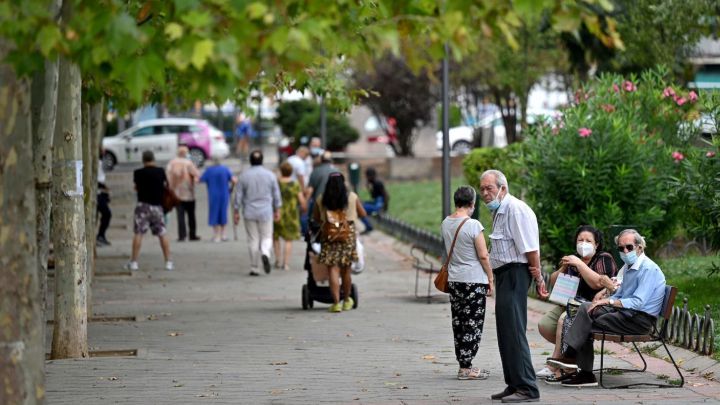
654 336
425 266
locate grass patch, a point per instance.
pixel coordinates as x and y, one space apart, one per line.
606 352
545 353
614 371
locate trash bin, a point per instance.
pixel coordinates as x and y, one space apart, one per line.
354 175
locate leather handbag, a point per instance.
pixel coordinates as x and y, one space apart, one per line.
170 200
441 280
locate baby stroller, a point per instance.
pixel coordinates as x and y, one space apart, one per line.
312 291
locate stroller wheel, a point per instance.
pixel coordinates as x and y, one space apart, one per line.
306 300
354 295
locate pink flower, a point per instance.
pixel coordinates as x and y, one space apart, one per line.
616 89
677 156
680 100
584 132
608 108
668 92
710 154
629 86
692 96
555 130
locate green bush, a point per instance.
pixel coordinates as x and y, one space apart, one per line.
339 131
508 160
289 114
609 160
454 116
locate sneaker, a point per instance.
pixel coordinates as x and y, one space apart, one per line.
472 374
101 241
335 308
563 362
558 380
505 393
348 304
169 266
581 379
254 273
266 264
132 266
519 397
545 373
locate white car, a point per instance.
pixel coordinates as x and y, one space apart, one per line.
162 136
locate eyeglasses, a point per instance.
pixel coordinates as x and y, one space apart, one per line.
626 248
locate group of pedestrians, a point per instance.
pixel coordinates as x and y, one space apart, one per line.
606 301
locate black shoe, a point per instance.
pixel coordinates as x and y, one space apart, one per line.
180 240
519 397
101 241
266 264
194 238
581 379
254 273
558 380
506 393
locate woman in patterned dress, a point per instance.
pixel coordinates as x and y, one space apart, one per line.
470 279
288 227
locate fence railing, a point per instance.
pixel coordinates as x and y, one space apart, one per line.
686 329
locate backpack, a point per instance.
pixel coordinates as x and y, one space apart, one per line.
335 228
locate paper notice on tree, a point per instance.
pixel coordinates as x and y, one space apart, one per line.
565 288
78 177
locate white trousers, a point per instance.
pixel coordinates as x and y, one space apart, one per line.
259 240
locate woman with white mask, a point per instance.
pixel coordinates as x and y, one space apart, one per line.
591 264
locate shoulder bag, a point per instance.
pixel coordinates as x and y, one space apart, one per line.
441 280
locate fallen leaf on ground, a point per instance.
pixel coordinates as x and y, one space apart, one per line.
175 334
428 357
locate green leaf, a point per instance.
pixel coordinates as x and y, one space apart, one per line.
278 40
48 38
197 19
201 53
174 31
256 10
299 38
100 54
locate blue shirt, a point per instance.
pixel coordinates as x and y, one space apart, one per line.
643 286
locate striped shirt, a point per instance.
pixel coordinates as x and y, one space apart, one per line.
514 233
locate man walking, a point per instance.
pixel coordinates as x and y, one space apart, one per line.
258 195
150 184
515 259
182 176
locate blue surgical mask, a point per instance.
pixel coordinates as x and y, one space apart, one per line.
629 258
495 203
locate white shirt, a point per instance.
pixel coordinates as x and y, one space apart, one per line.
464 265
515 232
299 168
308 168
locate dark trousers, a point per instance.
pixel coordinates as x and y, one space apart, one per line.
103 208
467 305
610 319
189 208
511 283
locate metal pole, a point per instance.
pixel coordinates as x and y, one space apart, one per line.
323 123
446 136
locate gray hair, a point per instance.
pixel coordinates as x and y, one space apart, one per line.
639 240
464 197
500 179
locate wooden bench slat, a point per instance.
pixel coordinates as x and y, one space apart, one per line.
624 338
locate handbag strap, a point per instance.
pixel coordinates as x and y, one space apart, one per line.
452 246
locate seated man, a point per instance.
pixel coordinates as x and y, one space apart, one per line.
379 197
642 291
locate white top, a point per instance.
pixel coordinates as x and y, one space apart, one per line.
464 266
299 168
514 233
308 168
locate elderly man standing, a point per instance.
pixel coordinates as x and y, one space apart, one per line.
258 195
632 310
515 259
182 176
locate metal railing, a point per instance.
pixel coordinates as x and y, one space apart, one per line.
686 329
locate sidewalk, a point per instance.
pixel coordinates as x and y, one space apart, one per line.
209 333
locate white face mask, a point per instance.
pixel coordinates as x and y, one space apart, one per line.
585 249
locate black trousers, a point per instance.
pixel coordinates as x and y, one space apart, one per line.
103 209
189 208
512 282
467 305
614 320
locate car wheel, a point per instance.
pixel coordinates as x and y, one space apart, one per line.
197 156
108 161
462 147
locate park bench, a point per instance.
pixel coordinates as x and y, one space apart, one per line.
654 336
424 266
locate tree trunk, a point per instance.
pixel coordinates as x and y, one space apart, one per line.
22 355
88 199
406 140
68 225
44 100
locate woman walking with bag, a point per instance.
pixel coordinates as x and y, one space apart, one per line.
337 209
470 280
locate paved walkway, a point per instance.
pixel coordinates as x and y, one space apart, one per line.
209 333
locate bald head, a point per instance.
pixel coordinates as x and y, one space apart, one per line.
182 151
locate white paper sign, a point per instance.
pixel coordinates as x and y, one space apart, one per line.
78 177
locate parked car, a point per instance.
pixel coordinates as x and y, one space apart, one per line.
462 138
162 136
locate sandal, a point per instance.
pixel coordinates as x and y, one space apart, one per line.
472 374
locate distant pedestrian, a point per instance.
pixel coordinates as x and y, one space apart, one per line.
287 227
182 176
319 178
515 259
150 182
338 208
103 206
258 196
300 173
243 131
219 180
379 198
470 280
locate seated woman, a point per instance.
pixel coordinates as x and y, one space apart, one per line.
594 267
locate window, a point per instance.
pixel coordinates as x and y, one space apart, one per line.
176 129
145 131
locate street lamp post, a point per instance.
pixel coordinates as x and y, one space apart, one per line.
446 136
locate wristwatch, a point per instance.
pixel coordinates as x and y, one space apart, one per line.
611 301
